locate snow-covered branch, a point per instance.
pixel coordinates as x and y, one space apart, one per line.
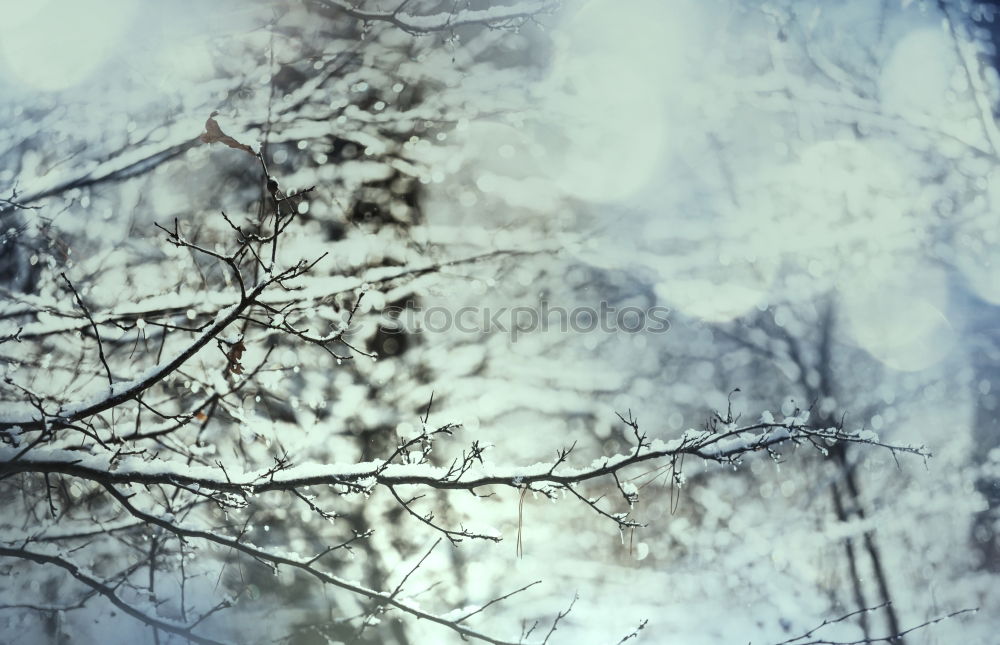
404 17
727 446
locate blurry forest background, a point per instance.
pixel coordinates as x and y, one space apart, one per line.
810 187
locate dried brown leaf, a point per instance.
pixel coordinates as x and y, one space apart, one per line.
234 356
213 134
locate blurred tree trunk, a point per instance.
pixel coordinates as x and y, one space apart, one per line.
983 325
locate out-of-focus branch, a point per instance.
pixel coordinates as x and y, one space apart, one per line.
810 638
306 292
108 592
970 65
404 18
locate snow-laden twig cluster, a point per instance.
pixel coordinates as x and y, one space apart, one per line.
136 455
165 490
80 443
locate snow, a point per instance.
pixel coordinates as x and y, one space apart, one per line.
759 170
